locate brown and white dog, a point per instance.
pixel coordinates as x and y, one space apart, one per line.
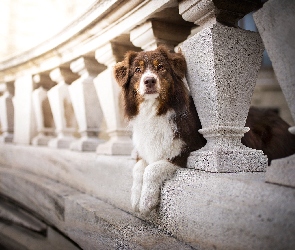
165 122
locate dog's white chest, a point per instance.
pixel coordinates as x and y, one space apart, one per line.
153 135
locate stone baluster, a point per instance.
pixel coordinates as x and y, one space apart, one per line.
7 113
110 100
42 109
62 108
86 105
275 23
223 63
153 33
24 117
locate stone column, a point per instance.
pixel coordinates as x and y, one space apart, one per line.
86 105
223 63
24 117
62 109
153 33
42 109
7 113
275 23
108 92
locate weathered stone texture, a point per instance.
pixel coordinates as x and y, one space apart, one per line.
228 211
275 23
223 64
92 223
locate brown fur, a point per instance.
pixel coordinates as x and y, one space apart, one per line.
268 131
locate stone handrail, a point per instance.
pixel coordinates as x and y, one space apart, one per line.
61 98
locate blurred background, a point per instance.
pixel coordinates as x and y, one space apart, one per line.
26 23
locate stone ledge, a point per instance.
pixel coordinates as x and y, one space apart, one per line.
89 173
205 210
91 223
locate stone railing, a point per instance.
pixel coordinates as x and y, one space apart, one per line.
60 99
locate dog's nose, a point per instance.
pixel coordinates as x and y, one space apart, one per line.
150 81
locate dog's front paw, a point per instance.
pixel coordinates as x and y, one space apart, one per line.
135 202
154 176
137 174
135 198
149 199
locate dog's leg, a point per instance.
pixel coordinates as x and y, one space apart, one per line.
154 176
137 175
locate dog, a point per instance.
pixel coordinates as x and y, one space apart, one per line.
165 122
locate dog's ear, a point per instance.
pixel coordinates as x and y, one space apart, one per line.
121 69
176 60
121 73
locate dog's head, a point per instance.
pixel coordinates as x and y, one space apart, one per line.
152 75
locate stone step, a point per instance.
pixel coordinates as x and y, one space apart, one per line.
92 223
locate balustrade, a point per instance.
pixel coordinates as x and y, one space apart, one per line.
222 89
223 61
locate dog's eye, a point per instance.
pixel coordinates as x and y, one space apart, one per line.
137 70
160 67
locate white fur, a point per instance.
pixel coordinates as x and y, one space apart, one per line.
153 137
154 176
137 175
153 134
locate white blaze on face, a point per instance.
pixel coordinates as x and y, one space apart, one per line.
142 85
